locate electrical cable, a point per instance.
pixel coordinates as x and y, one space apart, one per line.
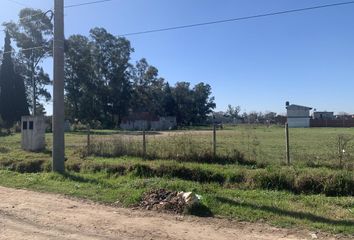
86 3
209 23
237 19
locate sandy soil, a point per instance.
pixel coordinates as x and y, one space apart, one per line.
31 215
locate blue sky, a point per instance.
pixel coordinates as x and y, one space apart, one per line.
306 58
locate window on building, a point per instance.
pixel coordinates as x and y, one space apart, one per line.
24 125
31 125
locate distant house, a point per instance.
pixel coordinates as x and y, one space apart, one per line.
148 121
323 115
298 116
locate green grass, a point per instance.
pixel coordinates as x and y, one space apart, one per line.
256 192
332 214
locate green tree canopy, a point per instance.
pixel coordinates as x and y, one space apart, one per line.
13 101
33 35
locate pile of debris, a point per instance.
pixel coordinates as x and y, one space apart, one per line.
169 201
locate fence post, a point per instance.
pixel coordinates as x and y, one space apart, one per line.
287 143
214 138
88 139
144 144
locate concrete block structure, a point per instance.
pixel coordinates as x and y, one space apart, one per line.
323 115
33 133
147 121
298 116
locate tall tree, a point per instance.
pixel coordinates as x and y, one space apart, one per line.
203 102
80 85
97 77
168 102
111 59
13 102
184 103
148 88
233 112
34 32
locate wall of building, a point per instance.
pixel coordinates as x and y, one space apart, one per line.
332 123
164 123
33 133
298 113
299 122
323 115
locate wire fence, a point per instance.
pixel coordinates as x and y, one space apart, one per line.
247 144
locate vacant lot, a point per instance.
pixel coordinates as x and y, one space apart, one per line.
247 180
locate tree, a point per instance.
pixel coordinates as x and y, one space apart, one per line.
184 103
270 117
111 60
203 103
97 82
148 88
168 102
233 112
13 102
34 32
80 86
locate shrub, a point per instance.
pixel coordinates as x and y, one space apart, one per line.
73 166
117 170
339 184
29 166
310 183
197 174
141 170
237 177
274 179
4 150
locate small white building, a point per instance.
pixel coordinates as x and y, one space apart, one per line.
33 133
298 116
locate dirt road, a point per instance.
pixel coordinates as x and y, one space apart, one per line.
31 215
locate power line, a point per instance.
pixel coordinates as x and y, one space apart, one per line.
238 19
68 6
208 23
18 3
51 10
86 3
28 49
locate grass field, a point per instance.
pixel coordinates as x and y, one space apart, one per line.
254 184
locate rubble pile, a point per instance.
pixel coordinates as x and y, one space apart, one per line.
170 201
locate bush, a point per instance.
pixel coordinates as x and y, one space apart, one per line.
237 177
310 183
275 179
140 170
339 184
117 170
73 166
26 166
197 174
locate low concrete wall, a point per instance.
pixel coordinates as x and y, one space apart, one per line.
331 123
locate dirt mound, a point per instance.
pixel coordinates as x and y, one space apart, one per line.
164 200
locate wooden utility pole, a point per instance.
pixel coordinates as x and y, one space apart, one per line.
58 88
287 143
